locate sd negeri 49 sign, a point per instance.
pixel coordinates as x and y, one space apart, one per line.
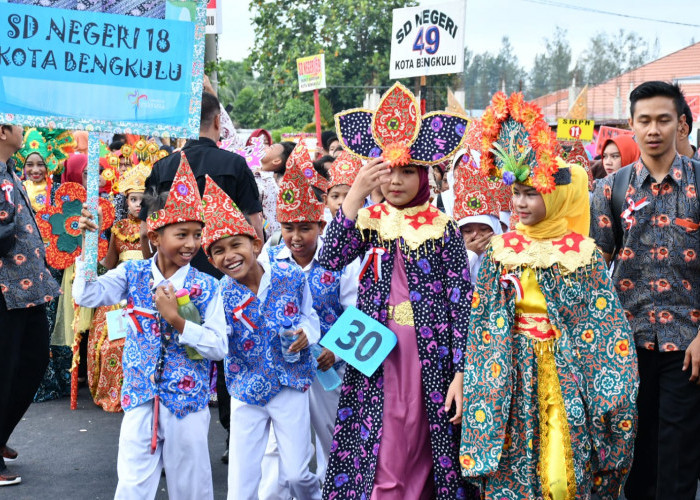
428 40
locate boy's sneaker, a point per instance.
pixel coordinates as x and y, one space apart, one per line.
7 479
8 454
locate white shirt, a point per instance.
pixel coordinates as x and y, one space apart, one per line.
348 280
209 338
475 261
309 319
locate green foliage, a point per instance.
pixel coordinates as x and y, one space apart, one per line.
354 35
245 108
277 133
233 76
295 113
609 55
486 74
551 69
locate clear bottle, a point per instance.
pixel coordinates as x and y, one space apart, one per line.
329 379
287 338
188 311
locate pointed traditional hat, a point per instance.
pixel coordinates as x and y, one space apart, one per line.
474 194
300 158
296 201
223 218
183 204
577 155
344 169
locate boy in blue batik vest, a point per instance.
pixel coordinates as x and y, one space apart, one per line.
332 291
259 294
165 391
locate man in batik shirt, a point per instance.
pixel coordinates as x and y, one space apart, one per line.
657 276
25 287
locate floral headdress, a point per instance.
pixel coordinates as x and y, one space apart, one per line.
518 145
53 145
147 152
223 217
398 133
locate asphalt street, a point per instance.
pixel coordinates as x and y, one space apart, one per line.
72 455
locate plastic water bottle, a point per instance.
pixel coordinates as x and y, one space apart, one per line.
188 311
329 379
287 338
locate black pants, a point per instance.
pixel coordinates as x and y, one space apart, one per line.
24 356
223 397
667 448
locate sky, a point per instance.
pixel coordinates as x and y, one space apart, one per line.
526 22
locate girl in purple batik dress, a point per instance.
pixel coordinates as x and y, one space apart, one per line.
397 432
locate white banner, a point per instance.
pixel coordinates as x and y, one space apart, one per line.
428 40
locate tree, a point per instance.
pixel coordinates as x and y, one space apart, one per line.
233 77
354 35
609 55
551 69
246 108
296 112
486 74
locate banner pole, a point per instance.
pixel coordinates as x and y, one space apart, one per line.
317 112
93 183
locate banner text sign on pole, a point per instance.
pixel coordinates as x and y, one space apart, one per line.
103 70
575 130
427 40
214 20
312 72
607 133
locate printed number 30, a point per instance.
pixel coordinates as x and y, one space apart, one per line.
372 336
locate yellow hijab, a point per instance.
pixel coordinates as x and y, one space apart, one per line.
567 208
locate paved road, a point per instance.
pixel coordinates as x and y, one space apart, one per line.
72 455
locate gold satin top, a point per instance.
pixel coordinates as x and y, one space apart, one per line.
557 476
35 189
531 318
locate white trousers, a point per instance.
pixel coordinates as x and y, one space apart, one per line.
288 412
323 408
183 449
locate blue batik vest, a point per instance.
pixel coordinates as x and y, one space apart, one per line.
325 290
255 368
184 384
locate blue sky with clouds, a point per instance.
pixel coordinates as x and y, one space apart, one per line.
525 22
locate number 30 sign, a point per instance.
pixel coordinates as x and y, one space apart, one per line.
359 340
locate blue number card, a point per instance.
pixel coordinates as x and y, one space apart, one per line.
361 341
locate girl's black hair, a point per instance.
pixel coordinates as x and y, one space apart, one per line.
153 201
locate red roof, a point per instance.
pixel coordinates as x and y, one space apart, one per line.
609 100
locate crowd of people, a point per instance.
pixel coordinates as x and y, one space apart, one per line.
545 305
